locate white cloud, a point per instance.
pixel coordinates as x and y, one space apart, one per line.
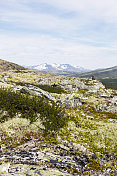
20 14
38 49
77 39
104 9
30 20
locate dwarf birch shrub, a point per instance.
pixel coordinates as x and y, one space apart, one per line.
51 115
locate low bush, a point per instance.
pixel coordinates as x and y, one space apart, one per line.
51 115
48 88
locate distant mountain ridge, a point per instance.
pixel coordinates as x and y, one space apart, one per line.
58 68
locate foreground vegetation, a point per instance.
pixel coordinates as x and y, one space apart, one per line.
32 108
92 130
25 117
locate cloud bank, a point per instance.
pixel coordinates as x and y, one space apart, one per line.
76 32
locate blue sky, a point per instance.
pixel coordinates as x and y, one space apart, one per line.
82 33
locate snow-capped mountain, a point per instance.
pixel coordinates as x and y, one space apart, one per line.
58 67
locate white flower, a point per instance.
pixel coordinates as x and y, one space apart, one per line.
4 167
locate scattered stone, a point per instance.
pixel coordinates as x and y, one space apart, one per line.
112 121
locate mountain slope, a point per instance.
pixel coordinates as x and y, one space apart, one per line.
5 66
107 76
101 74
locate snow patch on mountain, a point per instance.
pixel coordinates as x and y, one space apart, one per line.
58 67
41 67
55 65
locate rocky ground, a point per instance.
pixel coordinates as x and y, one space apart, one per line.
87 145
38 158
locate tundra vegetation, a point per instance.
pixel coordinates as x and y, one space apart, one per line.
88 123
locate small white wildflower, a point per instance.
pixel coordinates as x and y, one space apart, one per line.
4 167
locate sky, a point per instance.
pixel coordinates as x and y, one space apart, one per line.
77 32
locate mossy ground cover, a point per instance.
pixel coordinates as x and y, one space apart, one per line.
17 131
99 115
95 134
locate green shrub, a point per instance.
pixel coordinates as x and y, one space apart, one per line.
51 115
52 89
94 165
48 88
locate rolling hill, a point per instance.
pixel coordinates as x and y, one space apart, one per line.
107 76
102 73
